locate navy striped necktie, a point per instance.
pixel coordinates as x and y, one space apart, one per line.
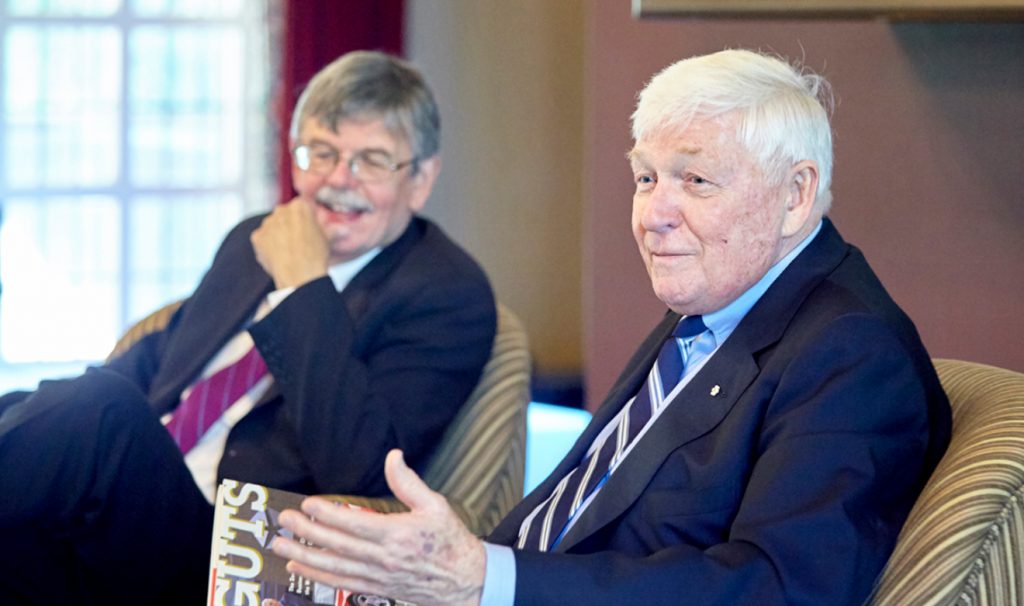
551 516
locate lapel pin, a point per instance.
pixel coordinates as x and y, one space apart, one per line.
715 390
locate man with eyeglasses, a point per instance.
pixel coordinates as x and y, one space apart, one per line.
326 332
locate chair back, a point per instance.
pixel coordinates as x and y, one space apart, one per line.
155 321
963 542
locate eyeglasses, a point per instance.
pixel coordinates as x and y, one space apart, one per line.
366 165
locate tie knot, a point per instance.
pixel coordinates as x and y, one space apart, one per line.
690 326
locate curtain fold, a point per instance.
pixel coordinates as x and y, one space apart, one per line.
315 32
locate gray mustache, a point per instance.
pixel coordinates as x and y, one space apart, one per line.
341 200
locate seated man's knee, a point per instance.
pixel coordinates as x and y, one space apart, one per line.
90 397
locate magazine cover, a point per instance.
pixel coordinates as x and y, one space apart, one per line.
243 569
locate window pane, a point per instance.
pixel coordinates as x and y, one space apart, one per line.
186 106
132 138
61 276
63 8
171 243
61 106
187 8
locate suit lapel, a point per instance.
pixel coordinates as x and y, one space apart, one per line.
625 387
695 411
358 295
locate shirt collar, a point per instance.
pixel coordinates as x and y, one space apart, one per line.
722 322
342 273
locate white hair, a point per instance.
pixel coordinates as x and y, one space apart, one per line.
783 110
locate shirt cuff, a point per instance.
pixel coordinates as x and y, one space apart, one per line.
274 298
499 576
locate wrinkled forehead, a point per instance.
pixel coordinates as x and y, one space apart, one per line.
697 135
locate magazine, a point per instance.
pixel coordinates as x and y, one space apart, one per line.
243 569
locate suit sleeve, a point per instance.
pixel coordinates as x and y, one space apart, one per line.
143 360
351 395
836 464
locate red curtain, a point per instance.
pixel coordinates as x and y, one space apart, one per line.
315 33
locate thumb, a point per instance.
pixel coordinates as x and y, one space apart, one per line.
406 485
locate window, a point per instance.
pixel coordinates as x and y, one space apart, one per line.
132 137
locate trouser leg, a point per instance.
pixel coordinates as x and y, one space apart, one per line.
94 485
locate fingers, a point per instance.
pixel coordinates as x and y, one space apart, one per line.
426 555
407 485
326 567
336 526
290 245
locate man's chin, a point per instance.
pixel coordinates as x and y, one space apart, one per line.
679 301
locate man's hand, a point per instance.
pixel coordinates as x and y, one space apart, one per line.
290 245
426 556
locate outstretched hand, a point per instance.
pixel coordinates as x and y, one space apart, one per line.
426 556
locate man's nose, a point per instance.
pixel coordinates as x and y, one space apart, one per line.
661 210
342 176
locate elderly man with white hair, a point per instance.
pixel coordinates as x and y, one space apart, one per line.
765 443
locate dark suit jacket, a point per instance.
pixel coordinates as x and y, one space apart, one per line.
783 471
384 364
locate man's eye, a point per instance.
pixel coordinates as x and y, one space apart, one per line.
320 153
698 180
376 159
644 179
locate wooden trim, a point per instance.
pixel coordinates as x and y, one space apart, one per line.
909 10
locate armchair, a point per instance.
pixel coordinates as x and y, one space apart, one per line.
963 542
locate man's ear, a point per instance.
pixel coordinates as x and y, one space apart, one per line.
801 191
423 182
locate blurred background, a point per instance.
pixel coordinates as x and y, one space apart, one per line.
134 133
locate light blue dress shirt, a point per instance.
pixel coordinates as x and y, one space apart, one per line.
500 575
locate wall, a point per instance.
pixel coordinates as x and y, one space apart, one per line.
536 97
928 180
509 81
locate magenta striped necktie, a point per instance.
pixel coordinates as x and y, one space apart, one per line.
211 396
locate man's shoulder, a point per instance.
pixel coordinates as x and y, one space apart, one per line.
435 253
853 287
246 226
236 242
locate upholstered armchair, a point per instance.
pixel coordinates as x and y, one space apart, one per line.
964 540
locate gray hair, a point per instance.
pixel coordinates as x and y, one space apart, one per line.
784 111
368 83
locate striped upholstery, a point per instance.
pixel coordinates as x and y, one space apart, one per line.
963 543
479 464
151 323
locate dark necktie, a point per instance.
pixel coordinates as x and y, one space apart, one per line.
211 396
573 490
